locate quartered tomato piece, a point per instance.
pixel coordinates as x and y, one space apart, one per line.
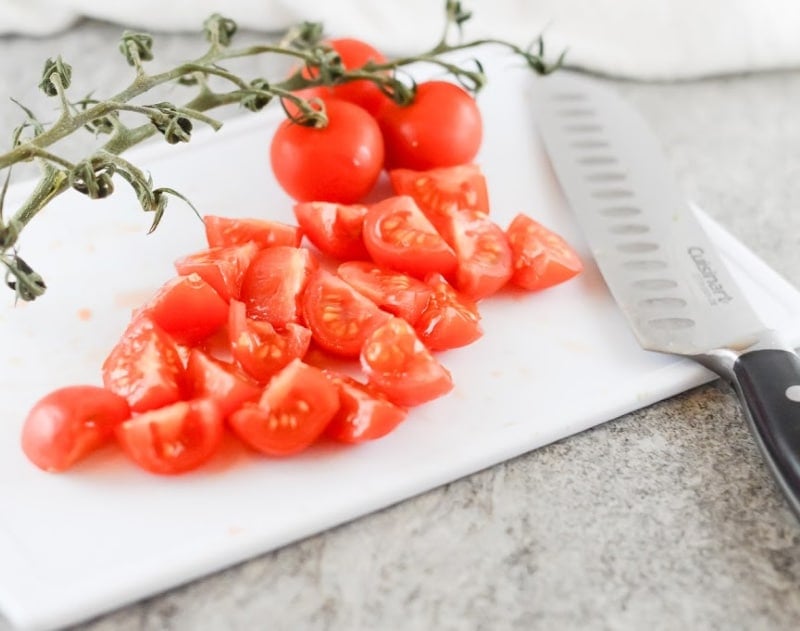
340 318
541 258
69 424
450 320
226 231
335 229
398 236
145 367
222 267
292 413
364 412
273 283
222 382
398 364
173 439
398 293
259 348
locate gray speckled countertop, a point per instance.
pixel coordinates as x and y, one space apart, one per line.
663 519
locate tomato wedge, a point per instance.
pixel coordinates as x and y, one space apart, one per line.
69 424
292 413
274 282
450 320
364 412
398 364
227 231
222 382
334 229
145 367
540 257
173 439
339 317
398 293
259 348
398 236
221 267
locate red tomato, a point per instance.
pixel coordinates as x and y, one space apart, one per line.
398 293
145 367
293 411
223 383
226 231
339 317
438 192
540 257
221 267
335 229
188 309
399 236
173 439
259 349
364 412
483 253
397 363
70 423
441 127
273 283
340 162
450 319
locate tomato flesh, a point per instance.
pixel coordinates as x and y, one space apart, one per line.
450 320
228 231
334 229
222 382
221 267
540 257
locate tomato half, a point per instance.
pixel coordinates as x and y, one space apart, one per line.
339 317
398 364
441 127
273 283
398 293
541 258
398 236
334 229
70 423
292 413
221 267
450 320
144 367
340 162
173 439
222 382
227 231
364 412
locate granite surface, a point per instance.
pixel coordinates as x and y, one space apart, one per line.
663 519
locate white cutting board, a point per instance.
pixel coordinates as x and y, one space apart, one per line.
550 365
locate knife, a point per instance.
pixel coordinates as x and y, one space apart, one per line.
659 264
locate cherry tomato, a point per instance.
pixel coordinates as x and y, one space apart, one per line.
70 423
541 258
334 229
340 162
292 413
223 383
273 283
400 237
450 320
441 127
173 439
339 317
221 267
261 350
398 364
145 367
398 293
227 231
364 412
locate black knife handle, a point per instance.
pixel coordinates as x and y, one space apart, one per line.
768 383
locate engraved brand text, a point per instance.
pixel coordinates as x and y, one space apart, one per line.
715 289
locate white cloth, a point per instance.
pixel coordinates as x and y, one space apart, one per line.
643 39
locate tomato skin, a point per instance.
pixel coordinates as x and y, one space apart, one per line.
339 317
292 413
398 364
223 383
450 319
174 439
221 267
228 231
340 162
540 257
334 229
441 127
398 236
69 423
